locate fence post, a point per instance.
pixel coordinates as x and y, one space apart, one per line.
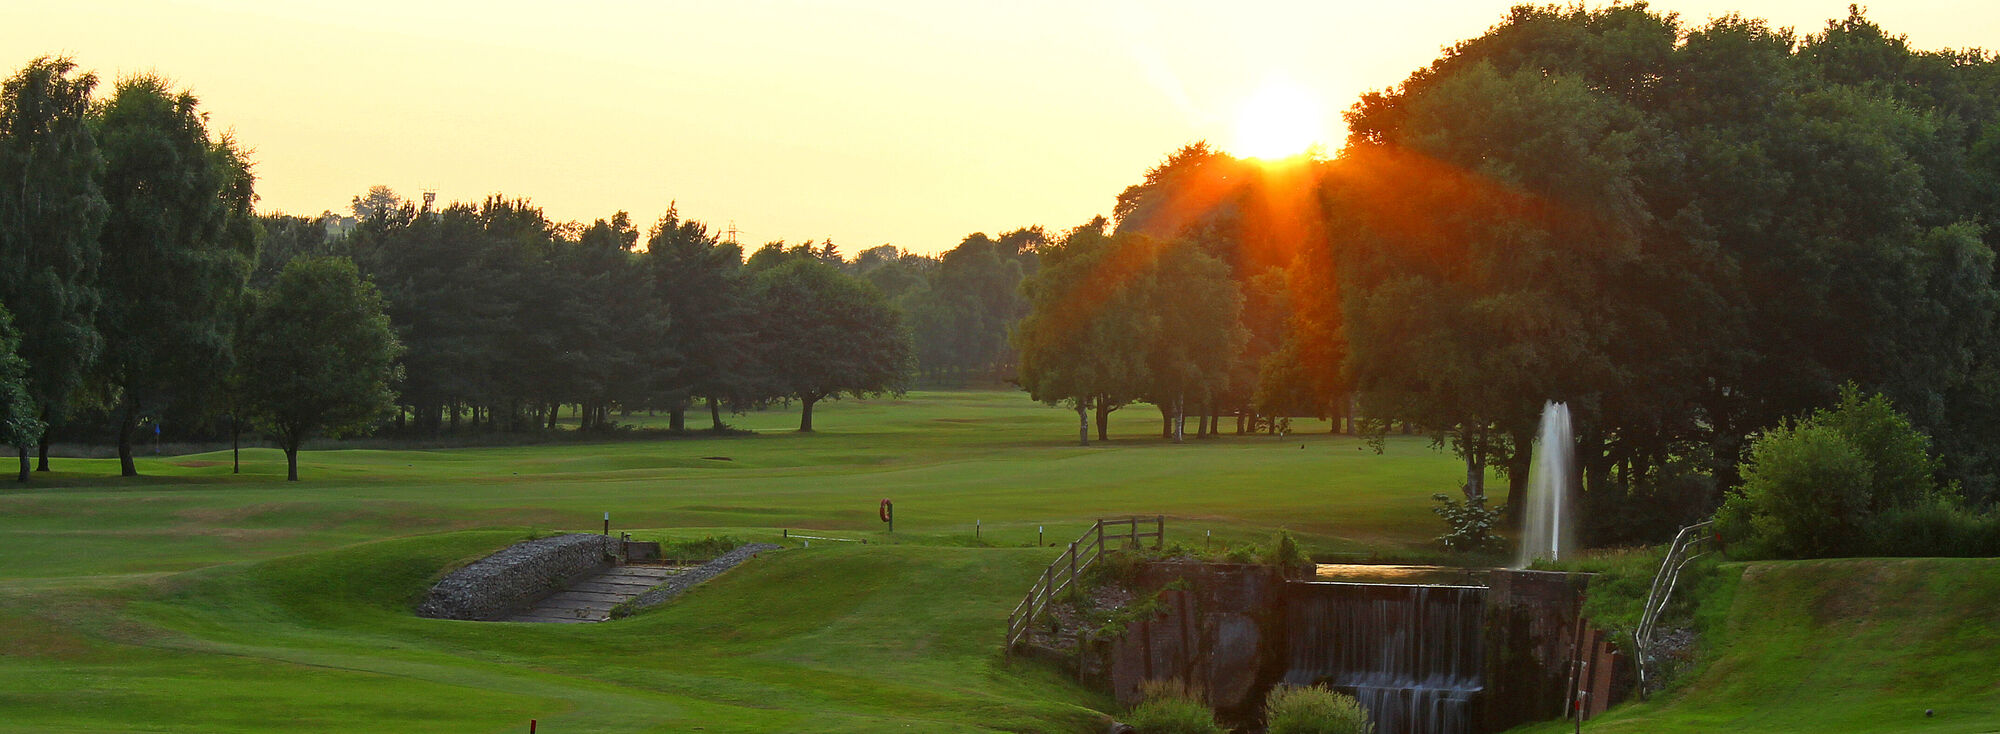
1160 528
1072 563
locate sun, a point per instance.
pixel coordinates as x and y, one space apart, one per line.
1280 120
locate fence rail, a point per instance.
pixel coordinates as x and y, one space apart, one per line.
1083 553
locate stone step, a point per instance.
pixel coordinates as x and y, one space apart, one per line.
592 599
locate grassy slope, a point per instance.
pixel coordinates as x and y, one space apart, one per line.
192 600
1840 645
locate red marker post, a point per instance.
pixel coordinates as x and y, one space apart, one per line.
889 514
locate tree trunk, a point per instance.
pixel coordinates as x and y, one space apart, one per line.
1103 419
715 415
292 458
1475 466
1082 427
1166 421
454 417
24 462
1201 426
235 446
127 423
1180 419
806 416
1239 423
677 418
42 450
1517 476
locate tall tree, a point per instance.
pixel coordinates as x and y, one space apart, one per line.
710 317
177 247
318 355
825 334
51 213
1079 344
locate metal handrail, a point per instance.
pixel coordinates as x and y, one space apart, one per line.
1679 555
1070 566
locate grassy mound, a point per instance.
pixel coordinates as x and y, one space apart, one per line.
854 638
1839 645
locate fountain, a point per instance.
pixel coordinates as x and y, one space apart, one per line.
1550 530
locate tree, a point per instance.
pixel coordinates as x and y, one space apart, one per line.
825 334
1192 313
52 210
177 250
318 355
708 301
1080 343
18 422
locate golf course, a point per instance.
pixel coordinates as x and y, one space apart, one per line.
192 599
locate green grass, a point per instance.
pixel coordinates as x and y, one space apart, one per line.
1838 645
190 599
194 600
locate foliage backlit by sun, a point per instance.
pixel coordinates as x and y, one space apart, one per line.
1281 119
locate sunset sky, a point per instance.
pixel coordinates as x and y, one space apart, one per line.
907 123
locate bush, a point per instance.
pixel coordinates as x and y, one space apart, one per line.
1813 488
1286 554
1470 523
1902 470
1937 526
1171 708
1314 710
1805 495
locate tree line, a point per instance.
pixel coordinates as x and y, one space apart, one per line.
140 287
1689 233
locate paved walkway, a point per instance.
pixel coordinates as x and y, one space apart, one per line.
591 600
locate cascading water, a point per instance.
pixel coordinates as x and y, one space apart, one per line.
1550 530
1413 655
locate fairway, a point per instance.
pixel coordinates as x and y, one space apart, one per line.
193 600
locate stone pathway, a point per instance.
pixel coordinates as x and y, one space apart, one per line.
591 600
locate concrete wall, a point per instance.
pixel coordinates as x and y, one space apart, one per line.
515 577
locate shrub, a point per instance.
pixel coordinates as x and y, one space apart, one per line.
1470 523
1286 554
1314 710
1805 495
1901 467
1936 526
1172 708
1812 488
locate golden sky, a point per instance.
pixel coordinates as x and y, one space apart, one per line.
907 123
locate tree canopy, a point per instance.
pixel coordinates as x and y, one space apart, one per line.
317 355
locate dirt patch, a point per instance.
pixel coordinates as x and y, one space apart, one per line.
1069 621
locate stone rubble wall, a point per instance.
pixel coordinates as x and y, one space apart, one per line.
687 579
516 577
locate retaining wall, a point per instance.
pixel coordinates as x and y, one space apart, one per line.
515 577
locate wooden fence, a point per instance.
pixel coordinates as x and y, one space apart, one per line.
1083 553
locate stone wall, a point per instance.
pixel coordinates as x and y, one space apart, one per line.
515 577
1532 624
1220 635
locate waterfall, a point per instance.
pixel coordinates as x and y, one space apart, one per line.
1413 655
1550 530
